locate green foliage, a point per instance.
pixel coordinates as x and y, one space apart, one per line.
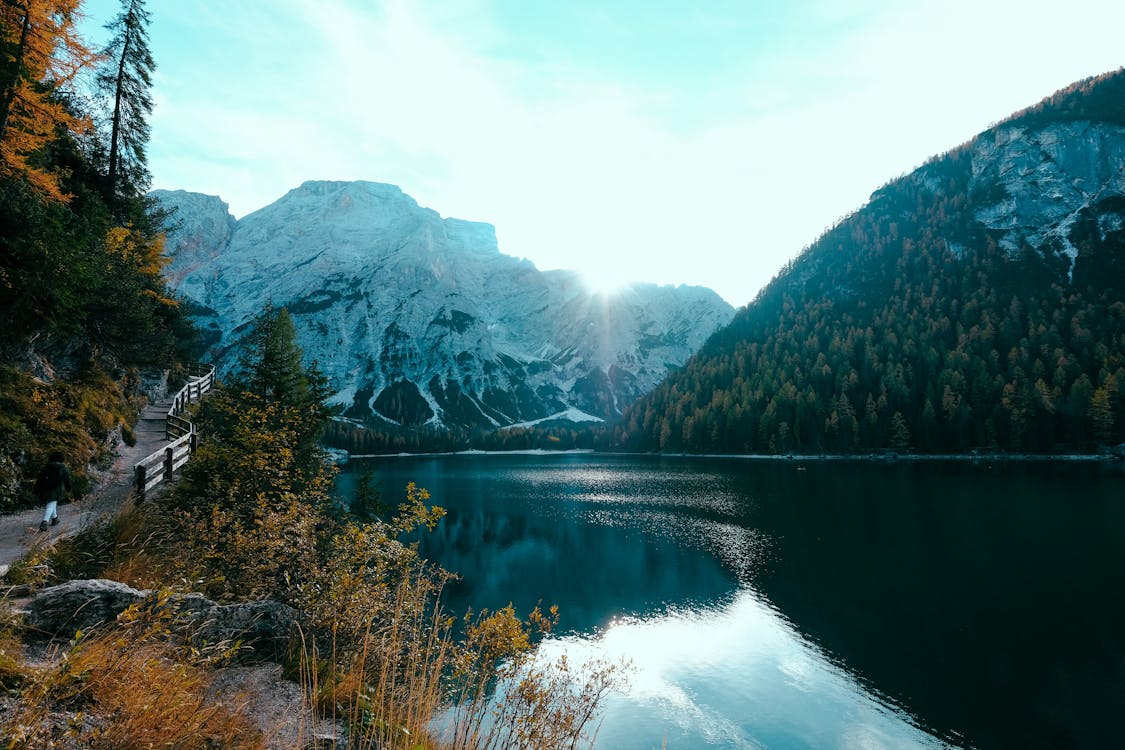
125 79
907 326
367 504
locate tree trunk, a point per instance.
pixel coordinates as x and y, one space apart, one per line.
116 128
17 69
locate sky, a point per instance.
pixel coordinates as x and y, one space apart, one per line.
703 142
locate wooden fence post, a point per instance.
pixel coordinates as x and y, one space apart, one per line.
141 480
169 458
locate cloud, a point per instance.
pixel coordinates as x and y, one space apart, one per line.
716 180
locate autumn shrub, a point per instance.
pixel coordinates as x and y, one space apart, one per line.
129 687
73 416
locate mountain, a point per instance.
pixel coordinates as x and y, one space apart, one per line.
975 303
421 320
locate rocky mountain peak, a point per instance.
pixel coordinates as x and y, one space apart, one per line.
416 318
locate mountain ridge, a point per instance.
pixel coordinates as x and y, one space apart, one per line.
421 320
974 303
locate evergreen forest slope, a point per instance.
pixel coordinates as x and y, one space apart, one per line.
975 303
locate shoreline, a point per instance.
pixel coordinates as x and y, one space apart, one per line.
788 458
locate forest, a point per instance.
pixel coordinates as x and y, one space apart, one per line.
82 294
908 327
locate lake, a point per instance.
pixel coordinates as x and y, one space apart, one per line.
790 604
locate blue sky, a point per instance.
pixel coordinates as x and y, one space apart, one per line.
673 142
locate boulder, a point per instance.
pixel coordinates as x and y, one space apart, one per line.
79 605
262 627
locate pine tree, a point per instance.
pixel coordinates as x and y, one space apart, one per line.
126 79
272 372
1101 415
900 432
271 362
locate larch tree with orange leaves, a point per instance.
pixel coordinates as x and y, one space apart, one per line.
40 52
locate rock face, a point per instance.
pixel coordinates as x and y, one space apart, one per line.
263 627
1042 181
418 319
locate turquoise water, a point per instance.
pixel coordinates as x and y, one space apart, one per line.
793 605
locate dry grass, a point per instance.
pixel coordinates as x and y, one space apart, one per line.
125 548
412 686
125 689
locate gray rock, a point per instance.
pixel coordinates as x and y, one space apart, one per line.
1049 176
263 628
79 605
327 741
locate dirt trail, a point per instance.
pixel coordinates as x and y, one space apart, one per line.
19 532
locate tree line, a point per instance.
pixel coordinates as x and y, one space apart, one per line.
908 326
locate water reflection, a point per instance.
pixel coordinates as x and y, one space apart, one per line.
808 606
735 675
585 549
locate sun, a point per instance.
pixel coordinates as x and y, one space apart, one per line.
604 283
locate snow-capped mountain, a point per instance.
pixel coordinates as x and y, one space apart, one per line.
418 319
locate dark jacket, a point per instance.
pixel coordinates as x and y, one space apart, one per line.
53 481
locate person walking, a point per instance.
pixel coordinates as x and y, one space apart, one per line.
51 486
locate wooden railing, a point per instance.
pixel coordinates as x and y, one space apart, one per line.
160 466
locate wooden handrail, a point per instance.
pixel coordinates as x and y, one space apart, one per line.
159 466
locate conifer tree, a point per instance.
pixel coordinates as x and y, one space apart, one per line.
272 371
40 51
126 79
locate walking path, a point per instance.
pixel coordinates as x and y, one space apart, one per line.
19 532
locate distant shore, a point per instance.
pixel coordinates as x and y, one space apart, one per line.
792 457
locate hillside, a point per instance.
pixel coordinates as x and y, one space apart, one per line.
420 322
975 303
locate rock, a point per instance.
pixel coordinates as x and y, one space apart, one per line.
415 318
79 605
327 741
263 628
1043 182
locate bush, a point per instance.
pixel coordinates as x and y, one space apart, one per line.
127 688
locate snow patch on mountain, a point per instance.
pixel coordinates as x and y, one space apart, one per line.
419 319
570 415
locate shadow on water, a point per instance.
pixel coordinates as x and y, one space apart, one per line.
984 600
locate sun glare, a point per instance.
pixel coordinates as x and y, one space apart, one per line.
604 284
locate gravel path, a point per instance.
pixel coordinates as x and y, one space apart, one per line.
19 532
